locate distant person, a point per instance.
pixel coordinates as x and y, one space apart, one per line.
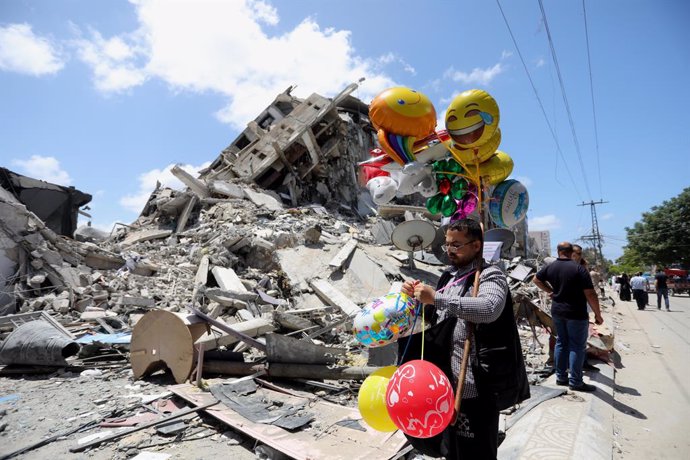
661 290
624 283
570 287
639 286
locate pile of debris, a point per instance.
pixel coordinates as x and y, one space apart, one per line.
256 269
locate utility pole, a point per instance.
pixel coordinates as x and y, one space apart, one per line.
595 237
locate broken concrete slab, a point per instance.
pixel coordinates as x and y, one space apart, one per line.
343 255
334 297
145 235
198 187
265 199
228 280
225 188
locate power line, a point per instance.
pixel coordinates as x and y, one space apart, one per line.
565 97
591 91
536 94
595 237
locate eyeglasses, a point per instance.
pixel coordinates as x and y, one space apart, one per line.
455 247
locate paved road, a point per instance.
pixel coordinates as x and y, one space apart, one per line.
652 386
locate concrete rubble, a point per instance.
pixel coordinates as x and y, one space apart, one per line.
275 247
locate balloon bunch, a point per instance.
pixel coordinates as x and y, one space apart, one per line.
451 168
416 397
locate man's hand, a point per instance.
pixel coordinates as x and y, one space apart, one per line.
598 319
424 293
408 287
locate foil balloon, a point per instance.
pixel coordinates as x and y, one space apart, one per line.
382 189
427 187
509 203
451 187
472 118
409 179
403 111
466 205
494 170
478 154
420 399
371 399
401 115
385 320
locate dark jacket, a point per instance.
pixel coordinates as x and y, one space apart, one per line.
500 368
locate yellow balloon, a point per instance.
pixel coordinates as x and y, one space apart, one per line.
481 153
472 118
371 400
494 170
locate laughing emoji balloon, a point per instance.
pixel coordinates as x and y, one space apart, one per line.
403 111
472 118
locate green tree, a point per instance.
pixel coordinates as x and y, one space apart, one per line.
662 237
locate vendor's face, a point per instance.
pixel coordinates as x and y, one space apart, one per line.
461 248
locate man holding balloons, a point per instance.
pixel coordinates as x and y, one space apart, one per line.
496 377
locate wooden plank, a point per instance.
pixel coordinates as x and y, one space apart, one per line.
339 260
330 441
334 297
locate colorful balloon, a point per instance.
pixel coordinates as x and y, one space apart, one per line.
451 187
472 118
420 399
403 111
371 399
494 170
475 154
466 205
509 203
384 320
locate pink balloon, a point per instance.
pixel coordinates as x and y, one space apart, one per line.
420 399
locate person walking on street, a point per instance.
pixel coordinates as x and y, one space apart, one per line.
497 378
639 286
624 282
570 287
661 290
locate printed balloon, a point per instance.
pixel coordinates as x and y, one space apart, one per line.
420 399
494 170
472 118
509 203
403 111
371 399
385 320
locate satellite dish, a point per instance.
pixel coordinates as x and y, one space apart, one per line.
413 235
503 235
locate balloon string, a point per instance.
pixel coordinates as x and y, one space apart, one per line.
423 329
414 323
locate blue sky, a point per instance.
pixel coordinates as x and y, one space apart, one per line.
107 96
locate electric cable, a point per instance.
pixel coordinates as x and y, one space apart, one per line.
591 90
541 105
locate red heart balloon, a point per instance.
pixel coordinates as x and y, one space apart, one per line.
419 399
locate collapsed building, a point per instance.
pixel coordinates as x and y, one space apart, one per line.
256 268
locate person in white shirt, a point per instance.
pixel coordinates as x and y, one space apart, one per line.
639 286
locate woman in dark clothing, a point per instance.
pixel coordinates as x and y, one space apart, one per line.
624 281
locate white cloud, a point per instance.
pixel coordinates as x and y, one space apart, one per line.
524 180
115 62
506 54
24 52
230 48
548 222
477 76
147 183
540 62
607 216
44 168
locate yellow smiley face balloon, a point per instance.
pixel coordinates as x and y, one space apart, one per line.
472 118
403 111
